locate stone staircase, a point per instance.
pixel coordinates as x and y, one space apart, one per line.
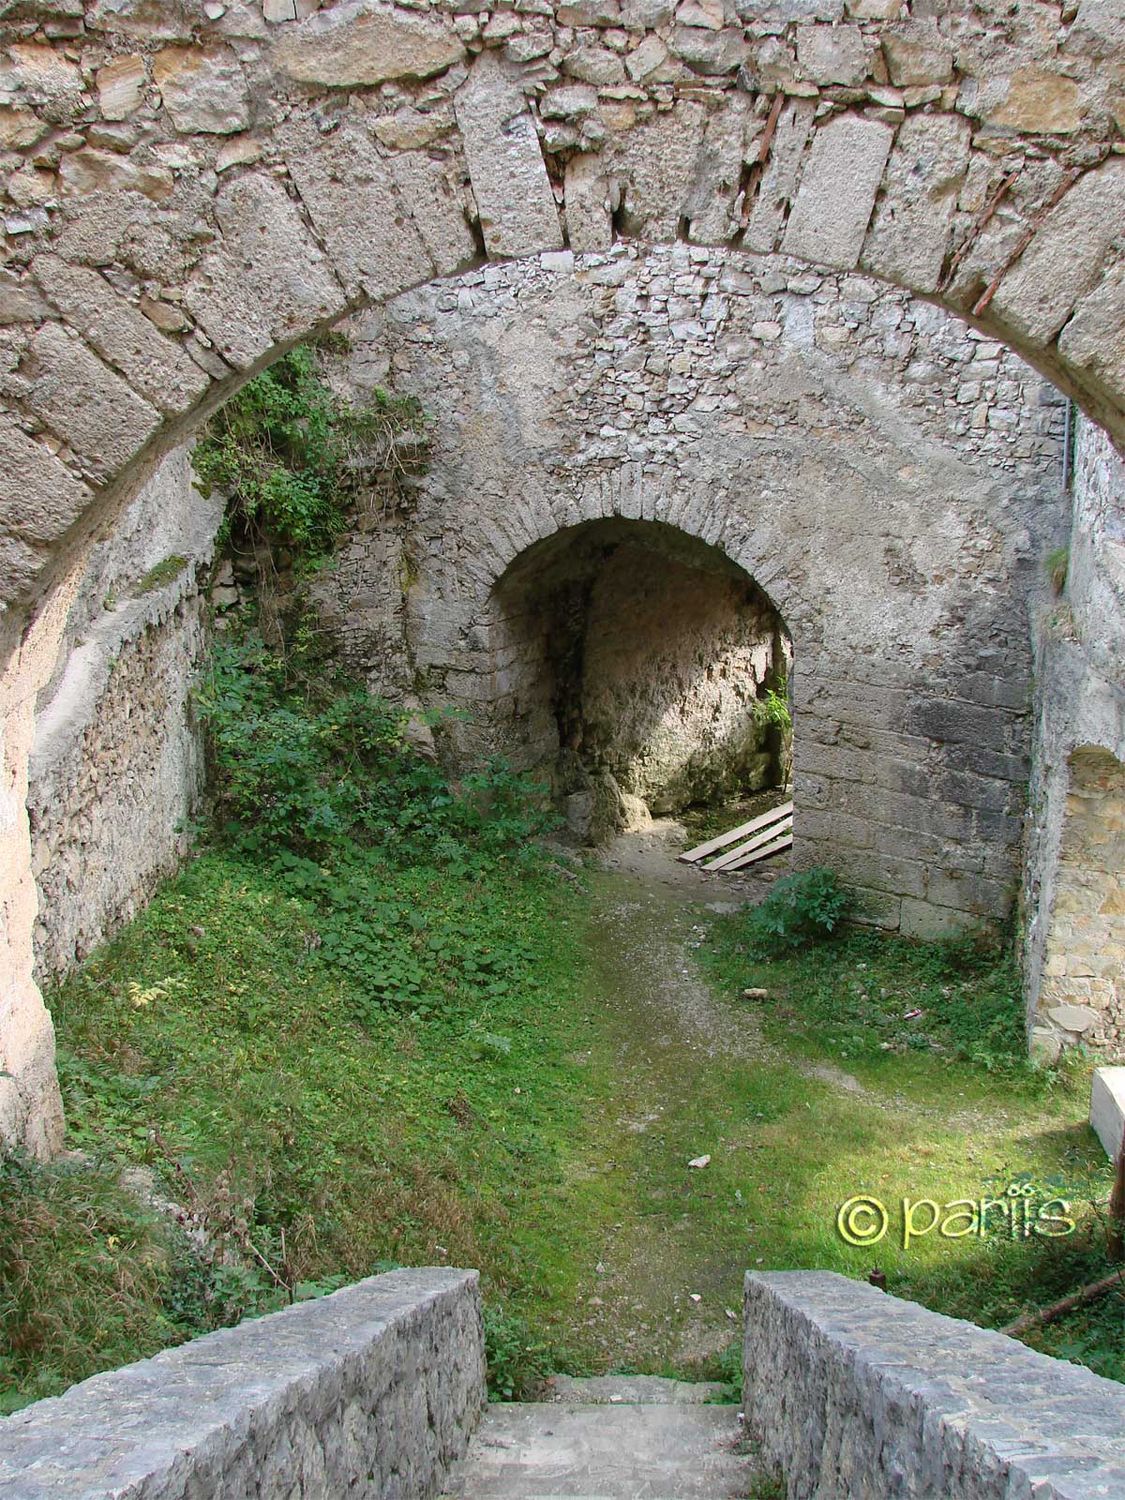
612 1438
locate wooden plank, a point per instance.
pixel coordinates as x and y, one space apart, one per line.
784 842
690 856
775 830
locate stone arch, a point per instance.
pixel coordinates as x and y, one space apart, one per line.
187 194
212 189
911 643
628 662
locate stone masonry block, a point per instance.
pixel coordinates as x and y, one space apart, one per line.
849 1389
837 193
374 1389
509 178
1107 1108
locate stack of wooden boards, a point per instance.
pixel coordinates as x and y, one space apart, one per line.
762 836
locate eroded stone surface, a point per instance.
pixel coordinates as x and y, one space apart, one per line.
513 195
363 43
1075 943
846 1386
764 412
380 1384
837 193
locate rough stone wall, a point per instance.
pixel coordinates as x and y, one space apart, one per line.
374 1391
1075 943
1083 989
30 1104
673 664
851 1392
116 766
186 189
888 477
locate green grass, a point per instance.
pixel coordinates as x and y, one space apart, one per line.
86 1278
537 1123
946 1107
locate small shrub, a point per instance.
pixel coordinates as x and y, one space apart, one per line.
288 452
730 1367
516 1362
773 709
308 762
802 908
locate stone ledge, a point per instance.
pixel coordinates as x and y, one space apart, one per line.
851 1391
373 1390
1107 1108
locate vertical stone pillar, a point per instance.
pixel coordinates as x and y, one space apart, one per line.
31 1112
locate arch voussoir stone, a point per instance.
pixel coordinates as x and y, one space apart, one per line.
266 282
190 193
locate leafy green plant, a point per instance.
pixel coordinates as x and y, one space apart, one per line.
802 908
307 763
773 709
730 1367
315 776
516 1362
288 452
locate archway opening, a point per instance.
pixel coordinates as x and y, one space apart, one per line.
642 672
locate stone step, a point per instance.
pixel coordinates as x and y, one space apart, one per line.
635 1390
676 1450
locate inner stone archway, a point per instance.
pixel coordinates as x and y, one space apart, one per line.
637 661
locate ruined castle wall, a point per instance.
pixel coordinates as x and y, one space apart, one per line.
890 479
116 764
1074 896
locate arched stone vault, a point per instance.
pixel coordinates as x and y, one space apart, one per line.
186 194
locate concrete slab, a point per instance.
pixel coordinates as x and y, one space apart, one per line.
1107 1108
543 1450
636 1390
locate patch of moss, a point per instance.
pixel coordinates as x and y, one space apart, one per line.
164 572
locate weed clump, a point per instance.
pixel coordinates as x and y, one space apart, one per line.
288 453
83 1267
807 907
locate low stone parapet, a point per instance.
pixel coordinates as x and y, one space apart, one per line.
853 1393
373 1391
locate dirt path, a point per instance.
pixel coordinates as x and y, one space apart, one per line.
664 1293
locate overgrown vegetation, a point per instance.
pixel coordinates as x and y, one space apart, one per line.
87 1277
319 1131
289 453
802 908
931 1036
866 993
375 1022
